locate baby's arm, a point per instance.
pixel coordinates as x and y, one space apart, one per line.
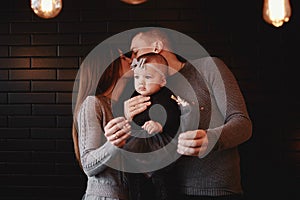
152 127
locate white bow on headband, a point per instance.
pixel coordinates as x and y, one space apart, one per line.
136 63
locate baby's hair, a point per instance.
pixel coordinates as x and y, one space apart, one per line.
150 57
158 59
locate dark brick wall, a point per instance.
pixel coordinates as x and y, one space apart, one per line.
39 60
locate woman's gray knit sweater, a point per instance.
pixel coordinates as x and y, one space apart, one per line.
96 152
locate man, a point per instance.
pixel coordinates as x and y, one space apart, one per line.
209 167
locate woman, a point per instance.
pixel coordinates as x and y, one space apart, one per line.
96 134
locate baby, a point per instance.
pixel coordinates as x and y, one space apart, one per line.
156 126
163 115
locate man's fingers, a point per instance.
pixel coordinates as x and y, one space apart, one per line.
193 147
191 143
188 151
190 135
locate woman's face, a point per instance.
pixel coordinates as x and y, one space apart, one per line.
126 71
147 81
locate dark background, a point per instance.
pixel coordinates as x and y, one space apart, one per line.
39 60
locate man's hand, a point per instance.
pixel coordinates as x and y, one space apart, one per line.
192 143
135 105
152 127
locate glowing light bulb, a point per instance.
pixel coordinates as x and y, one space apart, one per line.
46 8
276 12
134 2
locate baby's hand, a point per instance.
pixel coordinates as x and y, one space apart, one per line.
152 127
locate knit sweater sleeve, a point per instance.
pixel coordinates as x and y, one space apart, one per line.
234 126
95 151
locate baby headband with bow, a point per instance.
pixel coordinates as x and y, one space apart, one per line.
135 63
141 63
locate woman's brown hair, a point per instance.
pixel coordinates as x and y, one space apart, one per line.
87 84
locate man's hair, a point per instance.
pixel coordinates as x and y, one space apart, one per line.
153 34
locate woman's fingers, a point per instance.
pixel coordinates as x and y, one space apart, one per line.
114 125
138 99
114 121
119 133
121 141
138 109
135 105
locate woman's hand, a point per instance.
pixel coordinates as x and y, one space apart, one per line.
117 131
152 127
135 105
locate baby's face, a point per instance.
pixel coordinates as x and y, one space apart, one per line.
147 81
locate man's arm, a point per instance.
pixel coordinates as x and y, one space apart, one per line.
236 127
